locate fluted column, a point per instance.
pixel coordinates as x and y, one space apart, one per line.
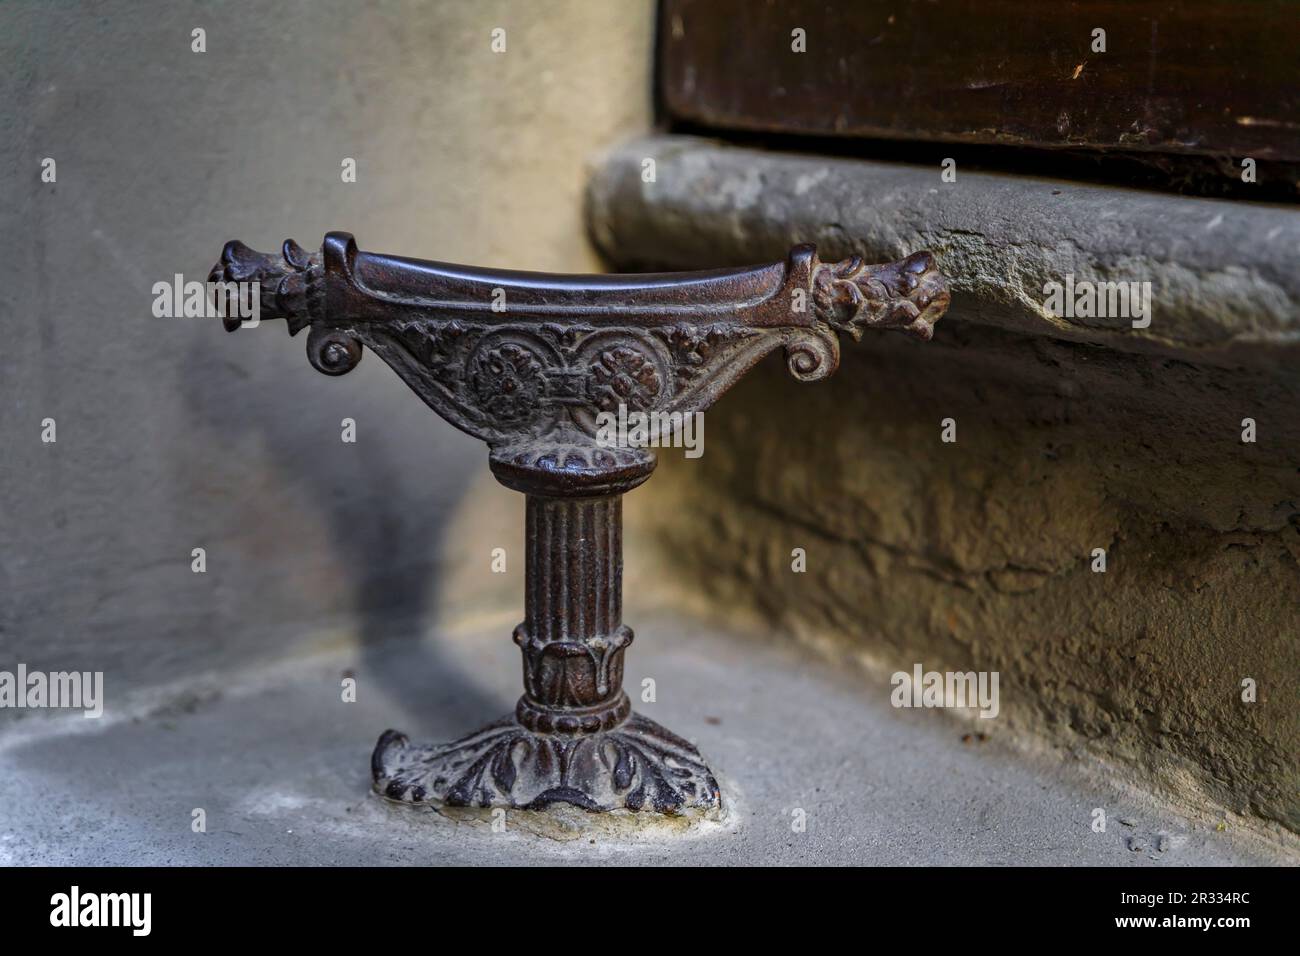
574 587
573 636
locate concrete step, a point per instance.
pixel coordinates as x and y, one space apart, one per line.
279 765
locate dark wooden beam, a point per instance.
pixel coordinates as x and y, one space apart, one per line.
1203 77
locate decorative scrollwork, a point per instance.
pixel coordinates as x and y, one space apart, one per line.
811 356
909 295
332 352
696 348
515 377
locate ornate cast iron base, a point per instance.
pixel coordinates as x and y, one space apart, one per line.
527 363
635 765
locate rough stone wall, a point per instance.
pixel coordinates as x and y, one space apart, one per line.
1071 435
976 555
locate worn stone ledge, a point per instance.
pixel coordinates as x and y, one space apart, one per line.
1224 279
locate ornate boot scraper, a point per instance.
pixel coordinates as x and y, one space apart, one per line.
526 362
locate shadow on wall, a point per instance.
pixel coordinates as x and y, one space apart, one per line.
383 523
172 436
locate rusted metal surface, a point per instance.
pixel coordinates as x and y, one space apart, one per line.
1207 77
527 362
